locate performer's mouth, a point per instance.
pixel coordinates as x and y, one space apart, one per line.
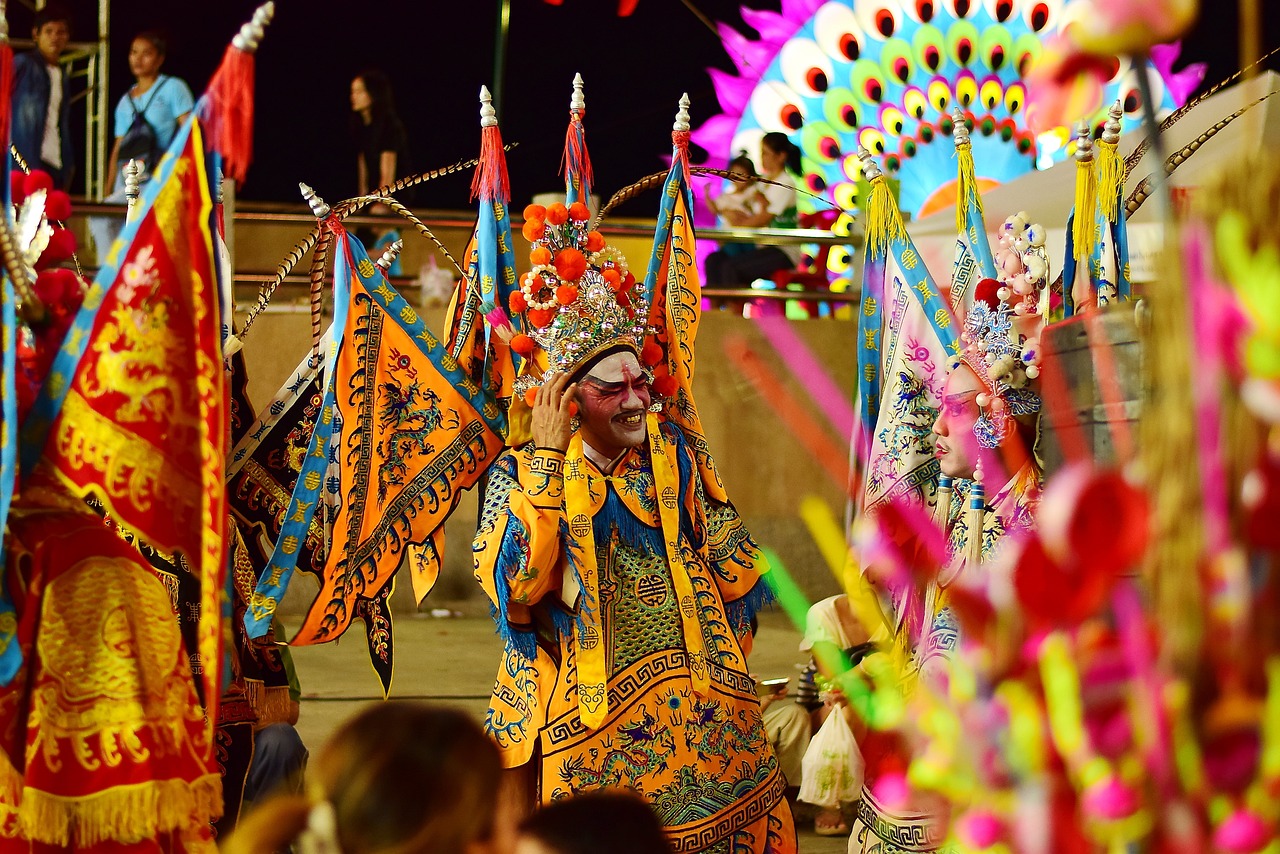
633 420
939 452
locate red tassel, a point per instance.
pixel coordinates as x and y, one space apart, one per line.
680 139
490 183
230 117
575 163
6 89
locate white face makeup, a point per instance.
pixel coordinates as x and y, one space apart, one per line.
613 398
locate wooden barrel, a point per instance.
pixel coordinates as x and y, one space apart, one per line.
1099 358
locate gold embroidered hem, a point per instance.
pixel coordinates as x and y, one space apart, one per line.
124 813
105 744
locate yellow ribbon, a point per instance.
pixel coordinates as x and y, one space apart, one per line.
666 477
593 694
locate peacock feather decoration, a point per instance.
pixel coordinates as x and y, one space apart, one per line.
886 74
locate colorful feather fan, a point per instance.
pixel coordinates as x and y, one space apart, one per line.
886 75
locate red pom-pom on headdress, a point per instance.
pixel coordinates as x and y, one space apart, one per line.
988 292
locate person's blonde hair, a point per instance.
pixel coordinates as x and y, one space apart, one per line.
401 777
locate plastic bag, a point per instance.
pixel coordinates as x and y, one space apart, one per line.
832 769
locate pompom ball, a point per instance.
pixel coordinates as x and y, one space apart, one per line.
595 241
987 291
516 302
58 205
540 256
566 294
38 180
541 317
557 214
522 344
578 212
570 264
533 229
651 353
535 212
18 186
664 386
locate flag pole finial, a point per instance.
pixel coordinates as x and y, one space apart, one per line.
578 102
488 115
389 257
131 186
960 129
250 35
870 169
319 207
1111 129
682 115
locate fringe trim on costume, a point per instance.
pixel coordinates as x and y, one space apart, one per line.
1086 200
614 513
271 704
968 189
740 611
523 641
884 220
490 183
1110 180
122 813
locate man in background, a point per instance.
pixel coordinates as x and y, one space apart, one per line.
41 100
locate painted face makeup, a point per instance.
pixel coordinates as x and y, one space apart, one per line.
957 447
612 401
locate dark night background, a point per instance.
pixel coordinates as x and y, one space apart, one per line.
439 53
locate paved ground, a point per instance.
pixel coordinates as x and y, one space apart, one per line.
453 661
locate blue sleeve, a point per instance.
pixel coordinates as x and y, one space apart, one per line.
178 95
124 116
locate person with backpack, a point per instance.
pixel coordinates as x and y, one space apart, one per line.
149 114
147 118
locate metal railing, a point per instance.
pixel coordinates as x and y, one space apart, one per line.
295 286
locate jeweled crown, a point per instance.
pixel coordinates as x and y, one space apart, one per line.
579 299
1000 341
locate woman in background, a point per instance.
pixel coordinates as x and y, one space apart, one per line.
779 163
398 777
382 146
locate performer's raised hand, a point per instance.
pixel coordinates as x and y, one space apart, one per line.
552 417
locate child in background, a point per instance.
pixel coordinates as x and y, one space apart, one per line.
744 196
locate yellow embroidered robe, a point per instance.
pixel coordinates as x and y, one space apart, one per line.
703 763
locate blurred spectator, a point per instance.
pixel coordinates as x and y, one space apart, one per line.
382 148
41 102
779 163
148 115
398 777
146 120
612 820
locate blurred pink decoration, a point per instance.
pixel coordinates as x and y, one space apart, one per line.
1068 78
1242 833
1065 83
1134 27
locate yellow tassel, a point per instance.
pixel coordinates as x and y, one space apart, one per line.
1082 231
1110 179
121 813
968 188
884 220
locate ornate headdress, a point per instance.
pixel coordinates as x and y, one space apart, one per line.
579 299
1000 342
